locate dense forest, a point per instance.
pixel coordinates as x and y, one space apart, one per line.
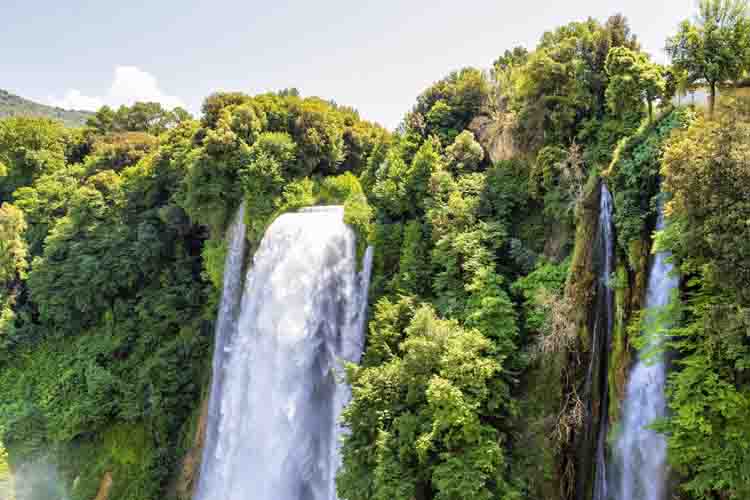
482 209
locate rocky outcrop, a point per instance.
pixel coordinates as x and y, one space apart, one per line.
105 487
495 134
186 480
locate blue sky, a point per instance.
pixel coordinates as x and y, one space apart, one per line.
375 56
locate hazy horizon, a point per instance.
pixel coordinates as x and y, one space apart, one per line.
375 58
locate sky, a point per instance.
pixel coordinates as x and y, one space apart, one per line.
376 56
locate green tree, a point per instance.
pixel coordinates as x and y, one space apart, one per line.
13 247
465 154
103 121
447 107
563 84
422 412
29 147
266 170
414 267
148 117
633 78
707 170
715 48
504 72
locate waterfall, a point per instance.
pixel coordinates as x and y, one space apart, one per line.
642 453
280 392
226 325
603 324
593 440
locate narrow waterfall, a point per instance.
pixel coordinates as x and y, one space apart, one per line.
226 325
591 442
597 383
642 453
280 392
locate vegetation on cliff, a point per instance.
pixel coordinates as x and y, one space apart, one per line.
107 299
112 251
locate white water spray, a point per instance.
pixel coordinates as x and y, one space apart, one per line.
279 396
642 452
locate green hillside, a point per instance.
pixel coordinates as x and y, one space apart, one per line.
13 105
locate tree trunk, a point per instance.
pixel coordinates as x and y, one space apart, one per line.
711 99
650 111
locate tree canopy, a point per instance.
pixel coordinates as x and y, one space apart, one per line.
715 48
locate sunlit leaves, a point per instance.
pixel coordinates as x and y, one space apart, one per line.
419 410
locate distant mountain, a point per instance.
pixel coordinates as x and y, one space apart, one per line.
13 105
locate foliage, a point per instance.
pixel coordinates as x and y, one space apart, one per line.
29 147
6 480
465 154
253 147
263 176
716 47
705 170
634 174
442 376
119 150
558 177
112 251
707 396
358 214
13 248
633 79
112 256
148 117
447 107
547 278
449 239
563 83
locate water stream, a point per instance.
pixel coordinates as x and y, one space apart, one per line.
641 452
598 372
277 397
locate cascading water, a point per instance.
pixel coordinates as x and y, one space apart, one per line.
596 379
280 392
603 325
226 325
642 452
592 439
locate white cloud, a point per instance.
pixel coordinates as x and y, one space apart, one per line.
73 99
132 84
129 85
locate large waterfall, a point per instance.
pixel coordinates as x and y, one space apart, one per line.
278 390
642 453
